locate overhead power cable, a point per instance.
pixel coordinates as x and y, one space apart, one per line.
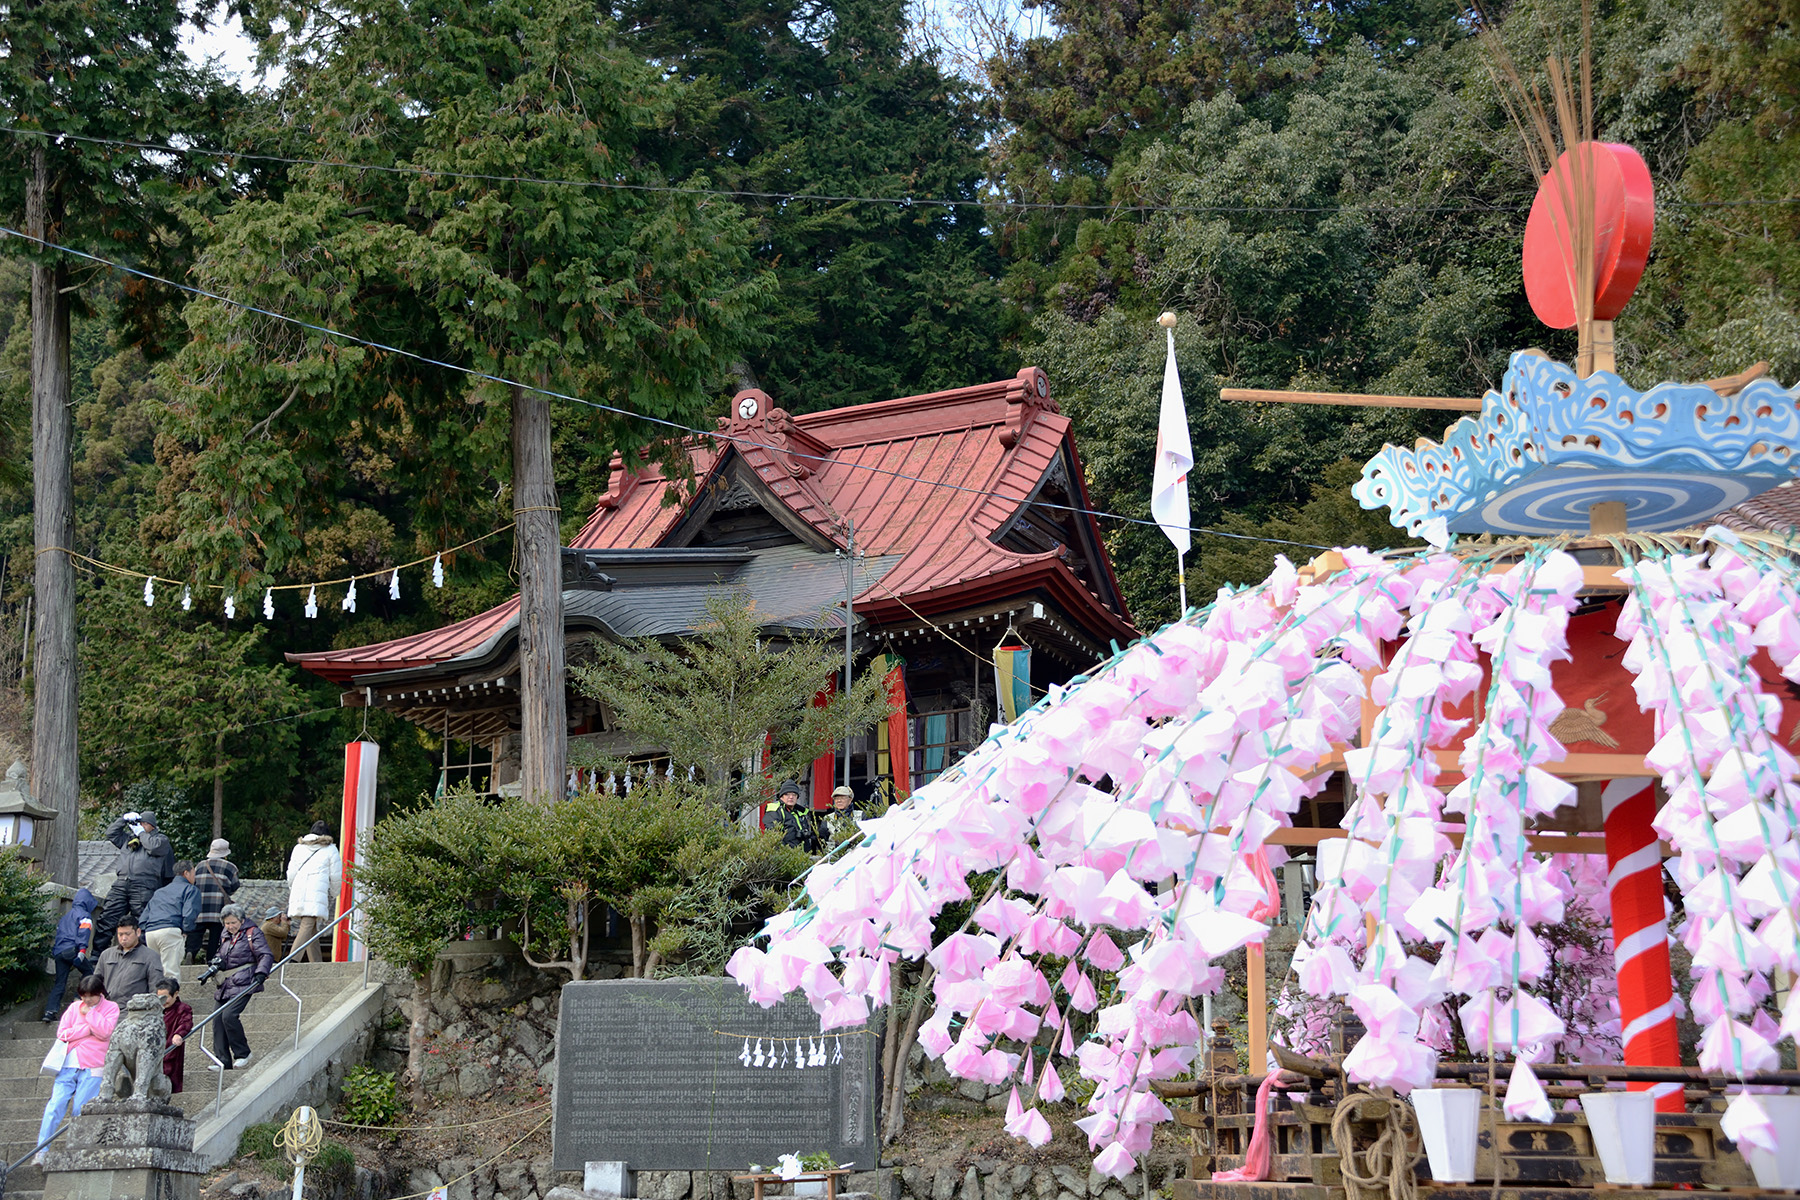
676 426
994 202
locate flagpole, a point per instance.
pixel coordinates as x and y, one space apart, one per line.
1174 459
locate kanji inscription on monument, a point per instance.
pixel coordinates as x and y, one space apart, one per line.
654 1073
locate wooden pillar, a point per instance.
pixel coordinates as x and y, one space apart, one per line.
543 709
55 781
1257 968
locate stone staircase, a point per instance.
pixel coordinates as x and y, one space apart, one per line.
268 1022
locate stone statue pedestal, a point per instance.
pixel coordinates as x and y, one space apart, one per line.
125 1150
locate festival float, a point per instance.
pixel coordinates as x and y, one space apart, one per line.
1578 698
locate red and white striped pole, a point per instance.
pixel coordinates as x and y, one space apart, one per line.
1640 934
361 762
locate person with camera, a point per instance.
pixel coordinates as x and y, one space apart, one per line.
145 863
244 962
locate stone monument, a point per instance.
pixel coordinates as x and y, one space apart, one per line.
129 1143
686 1074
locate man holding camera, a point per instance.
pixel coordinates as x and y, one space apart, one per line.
145 863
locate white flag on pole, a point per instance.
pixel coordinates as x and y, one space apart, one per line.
1174 459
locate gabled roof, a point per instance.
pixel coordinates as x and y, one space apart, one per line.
930 484
935 479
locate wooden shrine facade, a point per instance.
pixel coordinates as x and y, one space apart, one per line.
961 513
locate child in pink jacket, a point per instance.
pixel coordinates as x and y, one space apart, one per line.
81 1035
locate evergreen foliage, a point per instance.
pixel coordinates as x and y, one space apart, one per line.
26 925
689 884
823 96
638 299
740 711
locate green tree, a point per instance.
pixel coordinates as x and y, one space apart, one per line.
26 925
824 97
170 693
622 294
714 701
659 854
109 71
684 880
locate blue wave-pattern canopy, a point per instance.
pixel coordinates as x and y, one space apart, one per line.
1552 444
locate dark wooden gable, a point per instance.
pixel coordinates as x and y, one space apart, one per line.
736 510
1046 523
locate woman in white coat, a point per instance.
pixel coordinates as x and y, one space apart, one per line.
315 872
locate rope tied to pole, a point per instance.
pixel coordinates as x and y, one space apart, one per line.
302 1137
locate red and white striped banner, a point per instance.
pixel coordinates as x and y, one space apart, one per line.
1640 934
361 760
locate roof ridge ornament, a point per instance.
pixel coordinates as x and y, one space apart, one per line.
1028 395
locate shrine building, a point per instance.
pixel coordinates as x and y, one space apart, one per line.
964 509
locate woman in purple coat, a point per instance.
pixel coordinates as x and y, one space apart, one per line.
243 963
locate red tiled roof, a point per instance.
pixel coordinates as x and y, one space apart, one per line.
886 466
419 650
930 478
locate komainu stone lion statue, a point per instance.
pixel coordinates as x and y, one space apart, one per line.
134 1056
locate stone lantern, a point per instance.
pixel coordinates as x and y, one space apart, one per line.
18 815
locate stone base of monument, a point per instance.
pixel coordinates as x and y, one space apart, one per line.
125 1150
608 1179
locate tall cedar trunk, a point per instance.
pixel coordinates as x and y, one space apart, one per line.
54 780
543 719
219 785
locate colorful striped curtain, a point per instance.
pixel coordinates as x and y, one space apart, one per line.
1012 676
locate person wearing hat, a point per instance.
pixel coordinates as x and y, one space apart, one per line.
217 878
840 819
799 825
145 863
315 872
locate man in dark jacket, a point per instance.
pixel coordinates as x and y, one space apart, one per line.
146 862
71 949
129 967
244 962
170 916
797 823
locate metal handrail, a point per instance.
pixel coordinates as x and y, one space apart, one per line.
7 1170
299 1004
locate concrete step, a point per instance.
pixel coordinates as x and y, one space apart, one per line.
268 1024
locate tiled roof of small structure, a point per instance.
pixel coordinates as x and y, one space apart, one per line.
418 650
1775 511
885 466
